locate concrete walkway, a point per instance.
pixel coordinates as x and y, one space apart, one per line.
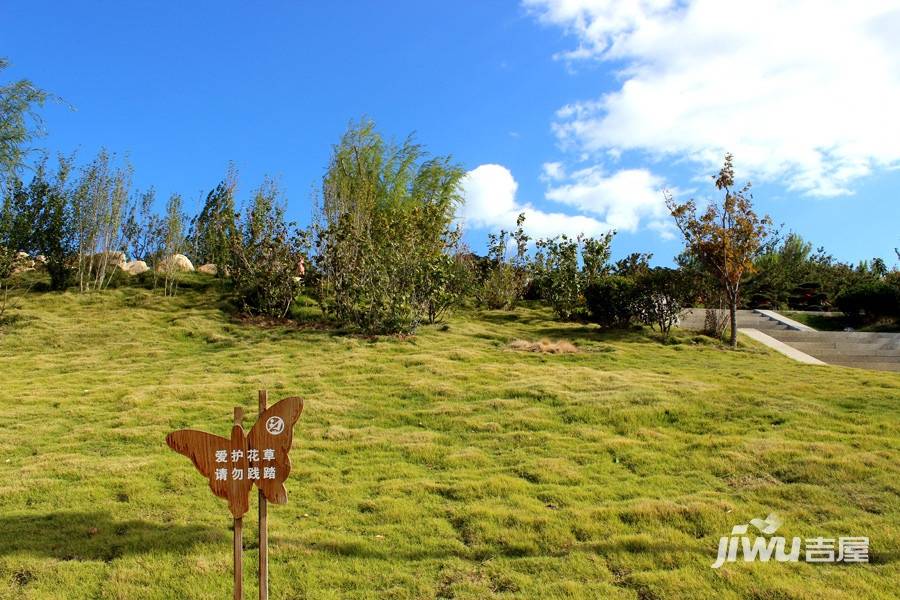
774 344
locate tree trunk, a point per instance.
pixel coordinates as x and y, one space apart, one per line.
732 309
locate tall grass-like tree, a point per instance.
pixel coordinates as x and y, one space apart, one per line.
725 237
384 231
20 121
214 227
142 229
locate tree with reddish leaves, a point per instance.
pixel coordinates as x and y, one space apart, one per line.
726 237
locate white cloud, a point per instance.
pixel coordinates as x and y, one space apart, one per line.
490 202
802 92
553 171
623 199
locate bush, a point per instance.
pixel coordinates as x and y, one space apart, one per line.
870 302
266 257
661 294
558 278
612 301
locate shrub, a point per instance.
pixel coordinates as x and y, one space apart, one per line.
559 280
612 301
504 281
266 257
870 302
661 294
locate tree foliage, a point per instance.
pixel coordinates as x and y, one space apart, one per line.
561 278
726 237
503 279
20 121
384 232
662 295
214 227
99 212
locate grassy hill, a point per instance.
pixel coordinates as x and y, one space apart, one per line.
446 465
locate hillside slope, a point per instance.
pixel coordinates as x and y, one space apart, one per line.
445 465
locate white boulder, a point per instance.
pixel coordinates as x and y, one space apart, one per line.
135 267
175 263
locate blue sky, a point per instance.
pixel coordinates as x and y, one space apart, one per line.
578 112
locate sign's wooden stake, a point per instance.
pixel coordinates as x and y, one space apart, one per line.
238 534
263 523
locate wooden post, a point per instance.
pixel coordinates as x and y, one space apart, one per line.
263 523
238 534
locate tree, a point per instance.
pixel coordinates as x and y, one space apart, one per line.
778 272
384 230
633 265
20 121
52 225
36 219
99 212
726 237
142 229
172 243
504 279
214 227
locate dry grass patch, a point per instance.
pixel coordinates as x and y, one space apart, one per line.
545 346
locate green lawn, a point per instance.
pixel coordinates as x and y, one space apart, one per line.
445 465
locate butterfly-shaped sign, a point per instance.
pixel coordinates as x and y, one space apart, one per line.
233 466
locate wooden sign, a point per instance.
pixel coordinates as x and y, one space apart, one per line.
234 465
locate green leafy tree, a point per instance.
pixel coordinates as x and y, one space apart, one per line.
172 240
99 214
53 236
36 219
633 265
726 237
778 272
